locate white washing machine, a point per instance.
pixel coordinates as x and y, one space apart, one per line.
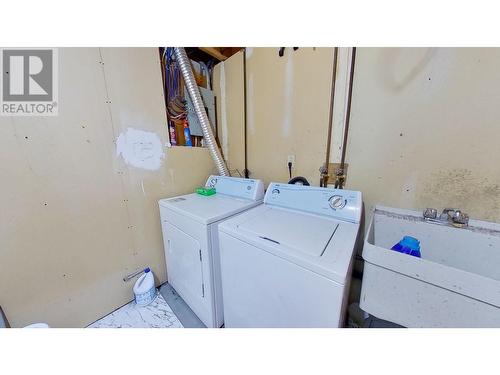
189 225
287 262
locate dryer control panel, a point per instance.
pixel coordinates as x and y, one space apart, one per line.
237 187
337 203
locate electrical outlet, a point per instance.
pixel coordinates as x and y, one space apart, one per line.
290 159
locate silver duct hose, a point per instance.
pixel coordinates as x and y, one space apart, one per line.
194 93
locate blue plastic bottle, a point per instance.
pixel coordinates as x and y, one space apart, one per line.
187 135
408 245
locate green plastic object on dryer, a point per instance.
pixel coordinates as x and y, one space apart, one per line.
207 191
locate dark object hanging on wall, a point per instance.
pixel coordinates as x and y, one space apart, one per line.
281 51
299 180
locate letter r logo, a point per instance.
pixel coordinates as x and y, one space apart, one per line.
27 75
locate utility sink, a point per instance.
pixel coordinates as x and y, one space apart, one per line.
456 282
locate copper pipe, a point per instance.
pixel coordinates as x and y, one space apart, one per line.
330 117
348 118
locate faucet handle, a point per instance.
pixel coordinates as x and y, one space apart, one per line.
460 217
448 213
430 213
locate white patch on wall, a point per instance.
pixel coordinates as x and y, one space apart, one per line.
288 97
250 106
223 109
140 149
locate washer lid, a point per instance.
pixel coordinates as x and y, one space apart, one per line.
301 232
209 209
318 243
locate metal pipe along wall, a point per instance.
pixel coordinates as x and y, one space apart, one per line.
194 93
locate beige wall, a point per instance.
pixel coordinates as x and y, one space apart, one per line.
288 101
425 129
75 216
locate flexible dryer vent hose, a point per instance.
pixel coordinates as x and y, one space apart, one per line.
194 93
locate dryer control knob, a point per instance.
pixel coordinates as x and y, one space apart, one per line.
337 202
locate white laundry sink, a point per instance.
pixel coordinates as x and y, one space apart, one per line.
456 283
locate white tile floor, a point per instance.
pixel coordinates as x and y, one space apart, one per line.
157 314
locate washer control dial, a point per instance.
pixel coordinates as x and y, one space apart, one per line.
337 202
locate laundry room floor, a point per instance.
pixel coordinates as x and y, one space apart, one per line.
157 314
180 308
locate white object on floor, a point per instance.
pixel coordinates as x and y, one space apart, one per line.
189 225
144 288
157 314
456 283
38 325
287 263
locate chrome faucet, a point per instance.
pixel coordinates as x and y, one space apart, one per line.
449 216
